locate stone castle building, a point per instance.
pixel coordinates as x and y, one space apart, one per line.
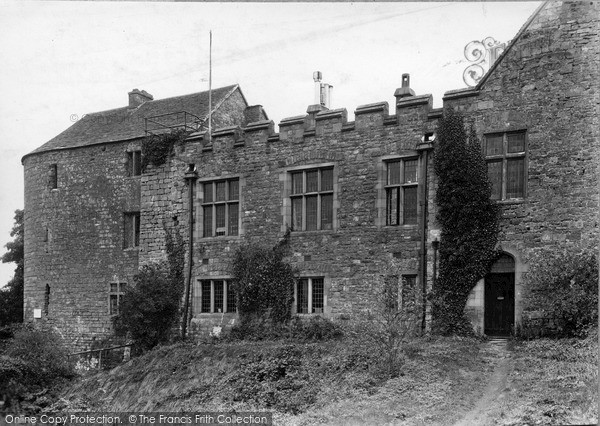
356 194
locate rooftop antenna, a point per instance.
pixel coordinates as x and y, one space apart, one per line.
210 88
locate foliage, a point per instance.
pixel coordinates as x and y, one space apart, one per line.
11 296
469 221
33 360
156 149
561 294
391 323
263 282
316 328
150 308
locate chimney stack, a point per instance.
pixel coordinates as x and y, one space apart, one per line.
405 90
136 98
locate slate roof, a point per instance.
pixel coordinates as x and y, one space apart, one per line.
128 123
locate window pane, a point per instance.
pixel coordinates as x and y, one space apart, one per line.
130 164
303 296
297 183
234 189
220 219
327 211
493 144
231 304
392 206
516 142
393 173
515 174
297 214
317 295
205 307
495 175
410 171
312 181
196 298
220 191
136 229
208 192
410 205
218 289
207 225
327 180
114 287
114 304
311 213
137 163
233 227
122 287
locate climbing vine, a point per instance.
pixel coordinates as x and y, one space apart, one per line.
469 221
264 282
156 149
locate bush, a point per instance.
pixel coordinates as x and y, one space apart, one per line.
561 295
150 308
264 283
297 329
34 360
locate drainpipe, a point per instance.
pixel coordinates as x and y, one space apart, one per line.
424 147
190 177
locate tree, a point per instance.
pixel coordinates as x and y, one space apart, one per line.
469 221
11 296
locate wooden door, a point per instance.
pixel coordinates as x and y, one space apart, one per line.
499 304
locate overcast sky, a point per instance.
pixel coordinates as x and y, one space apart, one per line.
61 60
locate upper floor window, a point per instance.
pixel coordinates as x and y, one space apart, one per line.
131 232
221 208
401 190
505 157
213 296
115 297
310 295
53 177
134 163
311 199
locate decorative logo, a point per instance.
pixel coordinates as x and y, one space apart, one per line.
483 54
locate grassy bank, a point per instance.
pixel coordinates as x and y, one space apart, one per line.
332 382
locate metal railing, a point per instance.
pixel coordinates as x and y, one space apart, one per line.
104 358
163 123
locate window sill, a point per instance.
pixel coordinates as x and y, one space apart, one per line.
213 314
137 248
410 226
511 201
320 314
316 232
221 238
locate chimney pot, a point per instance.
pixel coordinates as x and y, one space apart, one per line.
405 90
137 98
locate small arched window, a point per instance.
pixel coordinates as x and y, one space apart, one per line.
504 264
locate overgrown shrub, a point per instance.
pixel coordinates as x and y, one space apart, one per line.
469 222
156 149
315 329
264 283
33 360
150 308
561 295
390 324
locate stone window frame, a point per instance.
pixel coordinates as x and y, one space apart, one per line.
200 204
326 283
133 163
381 187
505 157
116 291
131 230
198 296
285 177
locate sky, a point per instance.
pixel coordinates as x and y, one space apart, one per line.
61 60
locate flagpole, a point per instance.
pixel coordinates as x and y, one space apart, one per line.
210 89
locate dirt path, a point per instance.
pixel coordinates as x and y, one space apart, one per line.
489 406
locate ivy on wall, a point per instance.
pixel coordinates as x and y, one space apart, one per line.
156 149
469 222
264 282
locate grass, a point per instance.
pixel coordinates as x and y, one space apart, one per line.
553 382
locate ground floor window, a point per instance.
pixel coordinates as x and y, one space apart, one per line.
310 295
115 297
213 296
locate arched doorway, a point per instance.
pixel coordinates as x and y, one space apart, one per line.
499 294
